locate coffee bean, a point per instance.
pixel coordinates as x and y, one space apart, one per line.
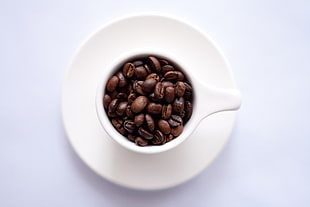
188 109
167 68
188 87
129 70
140 72
137 63
121 96
164 126
140 141
113 94
130 126
159 137
106 101
131 97
137 86
145 134
159 90
150 122
174 75
122 80
129 113
112 83
154 108
169 94
139 120
166 111
148 85
122 131
153 76
154 63
169 137
117 122
113 105
178 104
167 84
147 68
177 131
179 88
139 104
131 137
121 108
163 62
177 119
112 114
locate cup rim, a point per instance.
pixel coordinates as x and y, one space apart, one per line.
106 123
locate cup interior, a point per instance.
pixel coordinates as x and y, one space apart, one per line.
104 119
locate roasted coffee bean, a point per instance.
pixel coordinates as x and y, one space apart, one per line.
122 131
167 84
148 85
137 63
130 88
129 70
117 122
140 72
154 108
169 137
139 120
141 142
154 63
147 68
137 86
163 62
113 105
122 80
164 126
174 75
121 108
159 137
188 87
113 94
112 83
131 97
169 94
139 104
166 111
150 122
130 126
179 88
177 130
106 101
145 134
173 123
167 68
129 113
153 76
188 109
131 137
153 98
159 90
178 104
112 114
121 96
177 119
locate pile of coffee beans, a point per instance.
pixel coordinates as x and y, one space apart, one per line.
148 100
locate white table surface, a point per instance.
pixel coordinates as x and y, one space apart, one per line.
266 162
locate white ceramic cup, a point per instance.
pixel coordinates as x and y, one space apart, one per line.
207 100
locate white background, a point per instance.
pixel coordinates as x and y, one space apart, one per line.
266 162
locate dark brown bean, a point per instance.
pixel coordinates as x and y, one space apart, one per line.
121 108
159 137
117 122
169 137
148 85
177 119
163 62
137 86
153 76
154 108
130 126
177 131
139 120
164 126
106 101
122 80
145 134
169 94
141 142
167 84
179 88
174 75
139 104
154 63
121 96
167 68
113 94
178 104
153 98
138 63
112 83
131 97
147 68
188 109
159 90
112 114
150 122
131 137
122 131
129 70
140 72
113 105
129 113
166 111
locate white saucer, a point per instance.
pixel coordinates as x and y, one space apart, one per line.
90 141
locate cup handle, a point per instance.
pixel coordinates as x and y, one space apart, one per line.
212 100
